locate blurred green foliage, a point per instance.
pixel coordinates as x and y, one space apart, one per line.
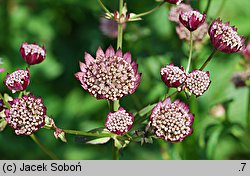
68 28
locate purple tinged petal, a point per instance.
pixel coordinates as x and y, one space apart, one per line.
110 52
119 53
82 67
100 53
88 59
127 57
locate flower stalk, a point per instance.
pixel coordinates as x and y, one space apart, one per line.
208 60
43 147
150 11
190 52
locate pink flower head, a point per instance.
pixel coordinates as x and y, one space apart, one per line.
173 76
111 75
119 122
225 38
192 19
171 121
174 1
175 11
18 80
26 115
198 35
197 82
246 51
32 53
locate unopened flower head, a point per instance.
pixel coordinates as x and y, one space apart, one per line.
32 53
173 76
225 38
111 75
198 35
192 19
175 11
26 114
197 82
18 80
174 1
171 121
246 51
240 79
119 122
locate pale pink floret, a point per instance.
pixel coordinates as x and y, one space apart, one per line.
192 19
197 82
111 75
119 122
18 80
26 115
225 38
175 11
173 76
171 121
32 53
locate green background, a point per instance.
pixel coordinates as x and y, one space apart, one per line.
68 28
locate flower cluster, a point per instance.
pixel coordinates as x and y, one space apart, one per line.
18 80
26 114
192 19
197 82
111 75
182 31
171 121
32 53
119 122
225 38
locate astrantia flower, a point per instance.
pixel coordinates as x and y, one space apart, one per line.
175 11
192 19
225 38
246 51
173 76
32 53
197 82
198 34
171 121
240 79
18 80
174 1
26 115
119 122
110 75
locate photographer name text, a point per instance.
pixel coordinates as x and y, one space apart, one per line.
41 167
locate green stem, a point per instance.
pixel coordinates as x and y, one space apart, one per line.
208 5
104 8
115 152
190 52
208 60
83 133
150 11
173 94
114 105
43 147
248 111
120 30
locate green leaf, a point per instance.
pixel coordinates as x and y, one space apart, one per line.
213 141
99 140
146 110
